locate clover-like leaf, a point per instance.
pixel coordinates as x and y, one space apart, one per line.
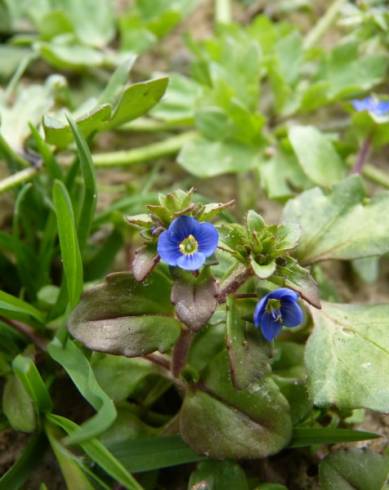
123 316
347 356
344 224
222 422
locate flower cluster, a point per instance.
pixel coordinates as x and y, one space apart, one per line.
278 309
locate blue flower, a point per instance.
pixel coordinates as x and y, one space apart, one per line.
187 243
371 104
278 309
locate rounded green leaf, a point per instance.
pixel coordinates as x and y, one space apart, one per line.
222 422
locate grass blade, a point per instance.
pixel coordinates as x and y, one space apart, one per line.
306 436
70 250
78 368
99 454
154 453
88 207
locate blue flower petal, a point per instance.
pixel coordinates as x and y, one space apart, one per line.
292 313
168 249
366 104
382 108
270 328
182 227
207 237
283 294
260 310
191 262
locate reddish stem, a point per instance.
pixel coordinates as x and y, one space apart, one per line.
180 351
362 155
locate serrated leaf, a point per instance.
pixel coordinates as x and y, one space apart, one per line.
343 224
347 355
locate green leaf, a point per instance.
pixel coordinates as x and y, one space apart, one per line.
316 155
88 207
153 453
123 316
347 72
342 225
29 105
70 357
70 250
220 421
346 355
120 376
93 22
205 158
73 471
58 133
308 436
214 475
14 307
133 101
356 469
99 454
18 406
263 271
27 462
281 175
29 375
136 100
178 103
247 352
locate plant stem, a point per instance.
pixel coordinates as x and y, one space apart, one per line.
180 351
319 29
375 175
29 332
170 146
18 178
222 11
362 156
147 125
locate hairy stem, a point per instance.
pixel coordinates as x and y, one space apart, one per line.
17 179
362 155
233 283
180 351
319 29
170 146
28 332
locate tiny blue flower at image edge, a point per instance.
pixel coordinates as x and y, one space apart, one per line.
187 243
371 104
278 309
